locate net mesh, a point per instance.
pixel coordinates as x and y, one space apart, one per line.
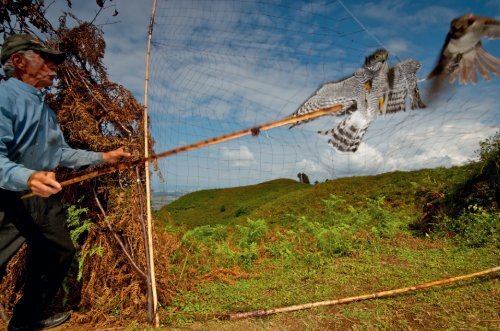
223 66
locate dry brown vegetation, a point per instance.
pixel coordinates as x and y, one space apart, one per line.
100 115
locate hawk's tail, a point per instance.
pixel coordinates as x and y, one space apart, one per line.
348 134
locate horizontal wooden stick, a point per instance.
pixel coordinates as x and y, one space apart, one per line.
200 144
266 312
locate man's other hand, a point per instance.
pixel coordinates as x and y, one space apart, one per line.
43 184
115 156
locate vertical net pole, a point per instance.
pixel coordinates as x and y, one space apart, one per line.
154 318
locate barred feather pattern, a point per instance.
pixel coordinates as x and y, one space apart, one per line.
343 92
359 95
349 92
402 80
348 134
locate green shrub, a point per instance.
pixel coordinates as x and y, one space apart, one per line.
475 226
241 212
77 223
251 233
374 216
223 255
205 234
469 209
384 222
283 245
248 255
330 240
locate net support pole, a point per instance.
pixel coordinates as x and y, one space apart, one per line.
153 315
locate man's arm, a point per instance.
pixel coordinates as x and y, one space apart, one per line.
76 158
115 156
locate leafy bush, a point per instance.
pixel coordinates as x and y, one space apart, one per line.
374 216
205 234
241 211
469 210
475 227
77 223
283 245
330 240
252 232
78 226
384 223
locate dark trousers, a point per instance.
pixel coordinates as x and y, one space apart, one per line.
42 224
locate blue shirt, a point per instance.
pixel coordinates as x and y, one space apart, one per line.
30 138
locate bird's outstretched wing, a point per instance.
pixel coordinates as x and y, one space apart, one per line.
476 60
328 95
492 28
402 80
462 55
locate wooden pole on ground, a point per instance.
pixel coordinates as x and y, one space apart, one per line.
266 312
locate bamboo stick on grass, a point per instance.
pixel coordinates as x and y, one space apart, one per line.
267 312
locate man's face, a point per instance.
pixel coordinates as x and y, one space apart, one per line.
39 70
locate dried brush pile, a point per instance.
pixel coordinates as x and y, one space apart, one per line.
109 282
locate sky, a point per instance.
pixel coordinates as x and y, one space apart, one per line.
222 66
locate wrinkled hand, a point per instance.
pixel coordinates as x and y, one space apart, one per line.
115 156
43 184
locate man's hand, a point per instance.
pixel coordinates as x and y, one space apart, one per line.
44 184
114 156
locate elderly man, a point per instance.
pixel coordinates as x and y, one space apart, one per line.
31 147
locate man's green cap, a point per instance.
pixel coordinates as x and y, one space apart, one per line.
19 42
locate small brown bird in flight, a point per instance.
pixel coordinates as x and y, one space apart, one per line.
462 55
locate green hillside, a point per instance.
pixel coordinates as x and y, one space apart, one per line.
222 206
276 199
284 243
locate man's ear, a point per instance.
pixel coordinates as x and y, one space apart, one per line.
19 61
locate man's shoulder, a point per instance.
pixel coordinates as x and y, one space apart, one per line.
11 86
6 87
8 96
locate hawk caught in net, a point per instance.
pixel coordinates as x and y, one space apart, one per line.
372 90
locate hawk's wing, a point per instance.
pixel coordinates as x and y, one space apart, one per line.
328 95
402 79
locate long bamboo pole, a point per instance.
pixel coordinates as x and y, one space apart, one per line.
200 144
266 312
151 266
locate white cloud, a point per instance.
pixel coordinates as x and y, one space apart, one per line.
241 157
397 45
306 165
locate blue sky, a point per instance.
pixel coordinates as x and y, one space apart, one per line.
221 66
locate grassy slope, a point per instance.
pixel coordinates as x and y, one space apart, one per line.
227 205
375 264
275 199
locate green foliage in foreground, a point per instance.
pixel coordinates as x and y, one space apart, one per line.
339 234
